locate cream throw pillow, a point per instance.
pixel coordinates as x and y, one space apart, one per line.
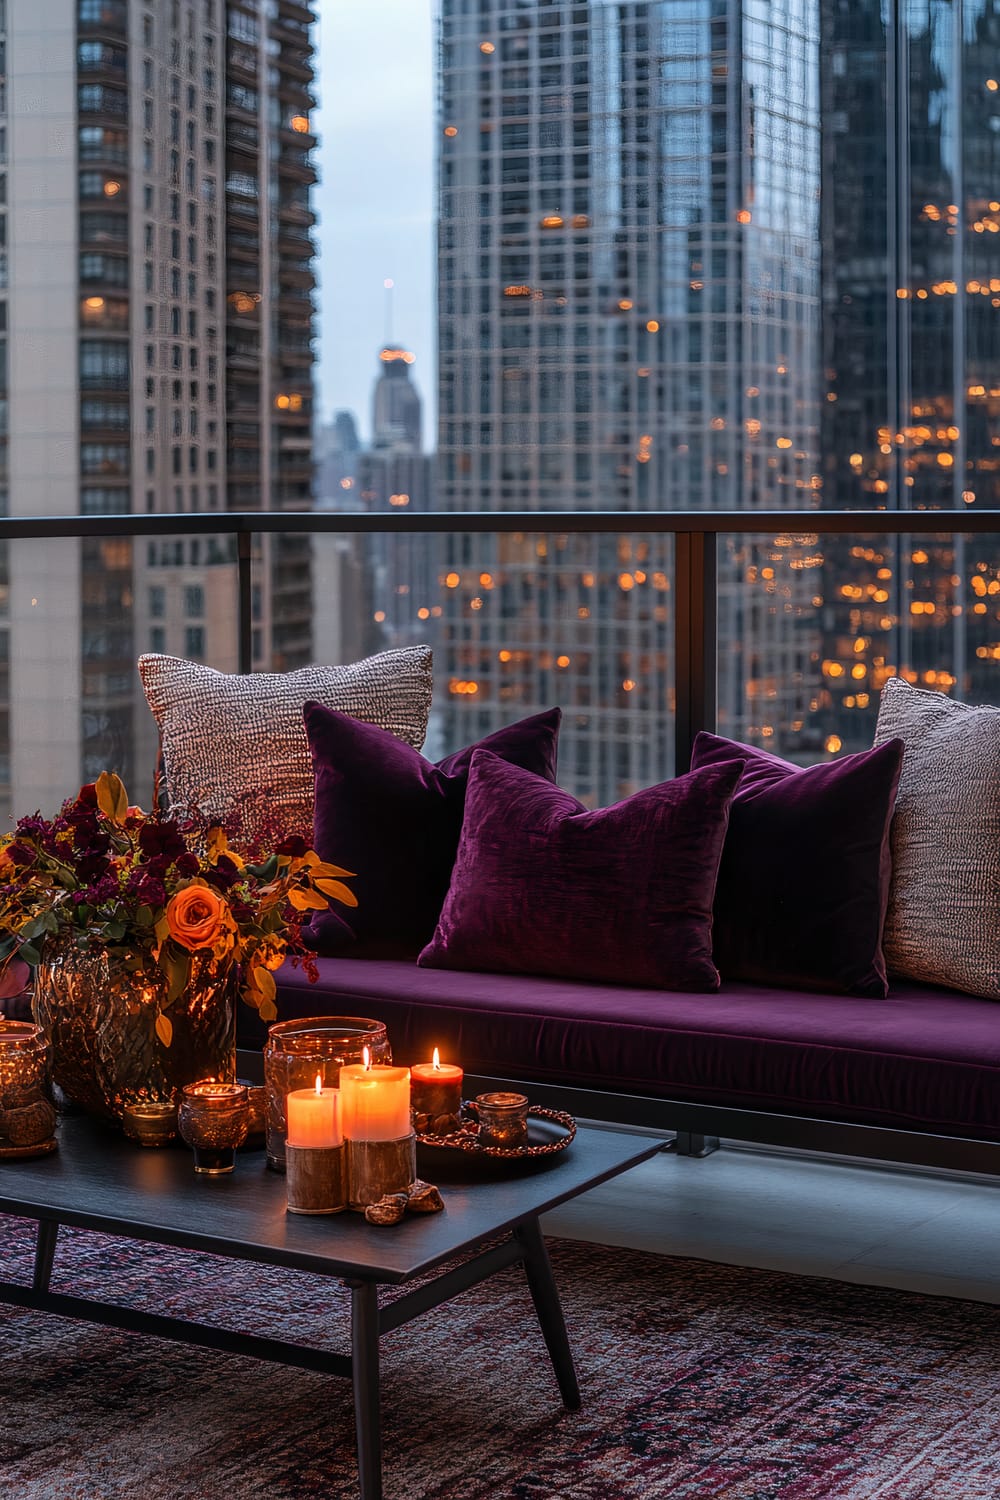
943 922
235 748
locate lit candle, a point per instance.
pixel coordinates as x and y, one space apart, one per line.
436 1087
314 1116
375 1101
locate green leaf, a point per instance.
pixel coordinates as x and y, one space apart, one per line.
30 954
144 916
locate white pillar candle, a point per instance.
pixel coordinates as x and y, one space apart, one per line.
375 1102
314 1117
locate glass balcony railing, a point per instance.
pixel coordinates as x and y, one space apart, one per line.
771 627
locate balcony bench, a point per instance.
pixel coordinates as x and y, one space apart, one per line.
912 1078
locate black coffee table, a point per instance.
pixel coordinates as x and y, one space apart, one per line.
97 1180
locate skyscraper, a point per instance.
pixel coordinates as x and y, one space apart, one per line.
628 320
911 303
157 305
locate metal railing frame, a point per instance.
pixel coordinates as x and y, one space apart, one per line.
695 536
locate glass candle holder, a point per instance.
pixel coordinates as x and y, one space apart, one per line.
297 1051
213 1119
503 1120
150 1124
257 1130
27 1115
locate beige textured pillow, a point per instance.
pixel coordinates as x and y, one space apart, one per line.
943 922
235 748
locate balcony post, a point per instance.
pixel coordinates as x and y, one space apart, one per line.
244 546
695 640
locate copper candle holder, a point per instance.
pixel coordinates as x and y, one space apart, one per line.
151 1123
213 1119
297 1050
27 1116
503 1120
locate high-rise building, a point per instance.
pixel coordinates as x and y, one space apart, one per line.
628 320
395 474
156 303
911 303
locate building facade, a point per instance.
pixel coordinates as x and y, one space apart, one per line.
628 320
157 305
911 312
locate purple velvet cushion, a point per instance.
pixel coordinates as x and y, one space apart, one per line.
385 812
805 872
624 894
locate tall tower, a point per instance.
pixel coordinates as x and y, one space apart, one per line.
628 299
395 474
911 312
129 142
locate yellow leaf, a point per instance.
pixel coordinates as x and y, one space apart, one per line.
217 843
267 1010
338 890
264 983
307 900
162 930
164 1030
331 872
112 797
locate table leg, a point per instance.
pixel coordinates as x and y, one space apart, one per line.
45 1252
545 1295
367 1404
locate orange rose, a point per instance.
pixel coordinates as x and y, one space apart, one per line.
196 916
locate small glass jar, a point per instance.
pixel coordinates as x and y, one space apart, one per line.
503 1121
152 1123
213 1119
297 1051
27 1115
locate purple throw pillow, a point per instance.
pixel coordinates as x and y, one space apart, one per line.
804 880
394 818
622 895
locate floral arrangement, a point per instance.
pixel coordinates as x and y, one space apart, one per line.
154 892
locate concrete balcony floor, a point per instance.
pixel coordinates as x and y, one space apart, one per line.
812 1215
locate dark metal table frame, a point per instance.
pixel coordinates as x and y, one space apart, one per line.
522 1244
368 1323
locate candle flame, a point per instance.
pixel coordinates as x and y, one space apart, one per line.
437 1059
366 1058
319 1083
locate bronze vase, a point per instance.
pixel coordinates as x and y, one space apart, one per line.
101 1021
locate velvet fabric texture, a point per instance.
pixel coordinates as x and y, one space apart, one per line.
924 1059
623 895
804 881
394 818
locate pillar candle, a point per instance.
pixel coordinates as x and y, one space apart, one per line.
375 1102
314 1117
436 1087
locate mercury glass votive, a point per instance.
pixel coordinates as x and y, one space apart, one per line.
150 1123
213 1119
27 1116
503 1120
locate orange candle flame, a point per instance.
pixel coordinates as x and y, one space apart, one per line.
366 1057
437 1059
319 1083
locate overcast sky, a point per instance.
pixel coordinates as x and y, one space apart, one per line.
375 199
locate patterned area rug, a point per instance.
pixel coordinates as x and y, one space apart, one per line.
700 1382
